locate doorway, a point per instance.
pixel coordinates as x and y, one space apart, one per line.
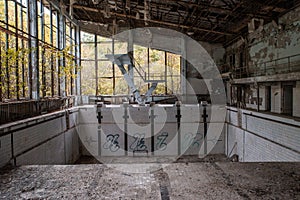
287 100
268 98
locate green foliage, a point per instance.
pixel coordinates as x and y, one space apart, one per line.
15 54
11 61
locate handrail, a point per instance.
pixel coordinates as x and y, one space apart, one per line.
277 66
22 109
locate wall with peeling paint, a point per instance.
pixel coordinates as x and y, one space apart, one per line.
196 84
216 51
277 40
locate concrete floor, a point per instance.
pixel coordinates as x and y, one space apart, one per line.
188 179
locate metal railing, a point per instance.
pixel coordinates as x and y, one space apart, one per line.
18 110
278 66
162 99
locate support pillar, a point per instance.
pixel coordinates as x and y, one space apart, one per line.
258 97
61 45
96 65
113 66
34 85
166 73
78 62
130 53
183 66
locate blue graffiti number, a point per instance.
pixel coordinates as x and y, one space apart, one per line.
112 142
162 141
138 143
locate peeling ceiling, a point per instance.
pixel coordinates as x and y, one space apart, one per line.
214 21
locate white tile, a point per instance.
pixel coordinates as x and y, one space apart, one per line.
88 135
5 150
88 114
29 137
166 140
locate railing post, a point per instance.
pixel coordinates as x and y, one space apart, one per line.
289 64
178 117
99 117
126 105
256 67
152 117
204 105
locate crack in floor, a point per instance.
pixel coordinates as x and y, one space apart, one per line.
164 183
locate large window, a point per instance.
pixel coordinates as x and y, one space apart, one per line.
101 77
53 62
13 49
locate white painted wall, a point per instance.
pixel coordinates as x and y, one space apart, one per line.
40 140
276 93
296 100
108 139
253 136
262 137
5 150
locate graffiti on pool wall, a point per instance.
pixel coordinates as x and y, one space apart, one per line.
192 140
89 140
162 141
139 142
213 141
112 142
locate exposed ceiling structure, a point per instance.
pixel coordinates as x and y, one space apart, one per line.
215 21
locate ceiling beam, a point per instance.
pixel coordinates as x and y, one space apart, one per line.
154 21
209 7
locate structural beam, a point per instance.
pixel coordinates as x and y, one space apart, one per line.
61 45
96 64
78 62
34 85
155 21
183 66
